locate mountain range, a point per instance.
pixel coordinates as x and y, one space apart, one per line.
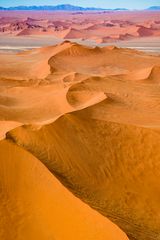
68 7
63 7
154 8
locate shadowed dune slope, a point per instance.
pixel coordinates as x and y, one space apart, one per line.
92 117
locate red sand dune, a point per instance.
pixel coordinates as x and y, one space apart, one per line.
100 26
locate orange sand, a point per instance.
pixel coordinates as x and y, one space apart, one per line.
34 205
92 117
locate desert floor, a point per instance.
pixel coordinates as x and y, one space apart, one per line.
80 126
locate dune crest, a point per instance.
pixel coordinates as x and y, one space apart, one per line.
91 115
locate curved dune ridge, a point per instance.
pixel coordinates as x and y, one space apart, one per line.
89 117
34 205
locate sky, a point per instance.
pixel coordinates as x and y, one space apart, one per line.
131 4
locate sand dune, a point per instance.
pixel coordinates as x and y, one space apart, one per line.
34 205
98 26
91 115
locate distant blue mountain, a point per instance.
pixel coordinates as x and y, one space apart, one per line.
63 7
154 8
120 9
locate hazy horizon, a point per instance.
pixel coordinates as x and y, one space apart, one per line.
97 4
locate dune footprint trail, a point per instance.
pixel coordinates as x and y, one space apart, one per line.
89 117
